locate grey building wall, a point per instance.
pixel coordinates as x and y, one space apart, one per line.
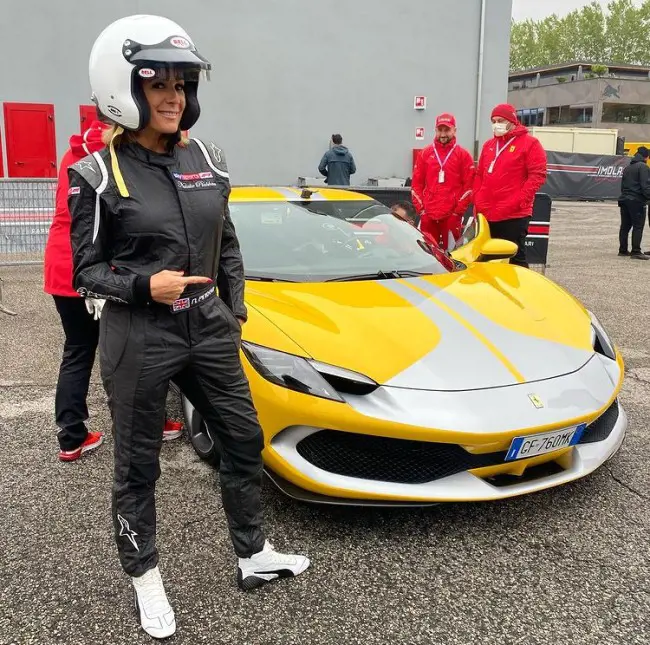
287 73
594 92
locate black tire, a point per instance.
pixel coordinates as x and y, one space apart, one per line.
205 444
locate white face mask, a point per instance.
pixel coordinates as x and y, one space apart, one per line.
500 129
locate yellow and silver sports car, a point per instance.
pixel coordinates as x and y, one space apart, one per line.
385 372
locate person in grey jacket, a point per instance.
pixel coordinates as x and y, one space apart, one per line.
337 164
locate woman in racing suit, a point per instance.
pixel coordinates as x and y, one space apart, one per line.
152 235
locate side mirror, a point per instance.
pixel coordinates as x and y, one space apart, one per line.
496 249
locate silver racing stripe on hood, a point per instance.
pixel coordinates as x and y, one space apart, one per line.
444 367
536 358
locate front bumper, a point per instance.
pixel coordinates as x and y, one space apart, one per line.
491 482
489 419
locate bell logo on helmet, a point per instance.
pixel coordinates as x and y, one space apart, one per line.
146 72
181 43
113 110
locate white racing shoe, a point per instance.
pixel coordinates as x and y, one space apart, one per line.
156 615
268 565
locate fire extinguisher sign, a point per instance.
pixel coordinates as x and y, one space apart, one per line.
420 103
419 134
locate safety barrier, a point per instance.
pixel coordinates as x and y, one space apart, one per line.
26 211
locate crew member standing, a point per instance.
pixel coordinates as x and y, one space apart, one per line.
511 169
441 188
81 330
635 193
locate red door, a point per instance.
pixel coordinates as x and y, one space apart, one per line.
416 154
31 140
87 114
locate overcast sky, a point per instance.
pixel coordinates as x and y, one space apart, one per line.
536 9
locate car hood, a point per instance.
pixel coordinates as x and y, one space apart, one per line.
493 325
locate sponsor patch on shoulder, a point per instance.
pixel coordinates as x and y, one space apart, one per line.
75 190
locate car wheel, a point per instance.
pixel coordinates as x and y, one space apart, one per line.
205 444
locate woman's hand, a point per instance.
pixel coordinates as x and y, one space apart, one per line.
167 286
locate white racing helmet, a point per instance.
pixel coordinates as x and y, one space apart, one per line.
148 47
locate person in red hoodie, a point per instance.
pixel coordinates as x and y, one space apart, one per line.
511 169
81 329
441 188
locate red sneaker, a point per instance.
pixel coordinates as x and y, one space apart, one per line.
93 440
172 430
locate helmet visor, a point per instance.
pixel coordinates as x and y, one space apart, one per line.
175 52
171 72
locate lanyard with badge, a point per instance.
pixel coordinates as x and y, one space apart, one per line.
441 173
499 151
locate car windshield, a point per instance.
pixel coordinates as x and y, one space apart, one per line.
317 241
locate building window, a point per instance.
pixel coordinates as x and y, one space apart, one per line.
626 113
531 117
569 114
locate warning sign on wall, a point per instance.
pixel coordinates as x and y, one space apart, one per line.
419 133
420 103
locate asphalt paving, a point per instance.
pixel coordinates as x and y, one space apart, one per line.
565 566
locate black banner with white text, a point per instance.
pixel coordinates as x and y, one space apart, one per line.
582 176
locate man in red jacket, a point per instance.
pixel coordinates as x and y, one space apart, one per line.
511 169
441 188
81 329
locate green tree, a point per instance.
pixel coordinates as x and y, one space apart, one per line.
587 34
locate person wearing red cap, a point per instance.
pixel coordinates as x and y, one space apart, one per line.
511 169
81 330
441 188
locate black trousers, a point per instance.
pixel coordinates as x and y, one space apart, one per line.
81 336
513 230
632 218
142 349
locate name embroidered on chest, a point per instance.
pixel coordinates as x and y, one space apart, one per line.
190 181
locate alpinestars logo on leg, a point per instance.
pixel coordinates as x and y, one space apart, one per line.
125 531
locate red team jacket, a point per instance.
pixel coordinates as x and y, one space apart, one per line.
57 265
436 199
508 192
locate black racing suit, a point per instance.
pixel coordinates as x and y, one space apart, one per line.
176 217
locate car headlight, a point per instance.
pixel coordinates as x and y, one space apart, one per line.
600 340
306 376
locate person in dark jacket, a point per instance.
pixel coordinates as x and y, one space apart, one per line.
635 194
152 235
337 164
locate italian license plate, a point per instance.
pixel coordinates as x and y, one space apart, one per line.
539 444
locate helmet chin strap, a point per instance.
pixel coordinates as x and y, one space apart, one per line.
119 179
